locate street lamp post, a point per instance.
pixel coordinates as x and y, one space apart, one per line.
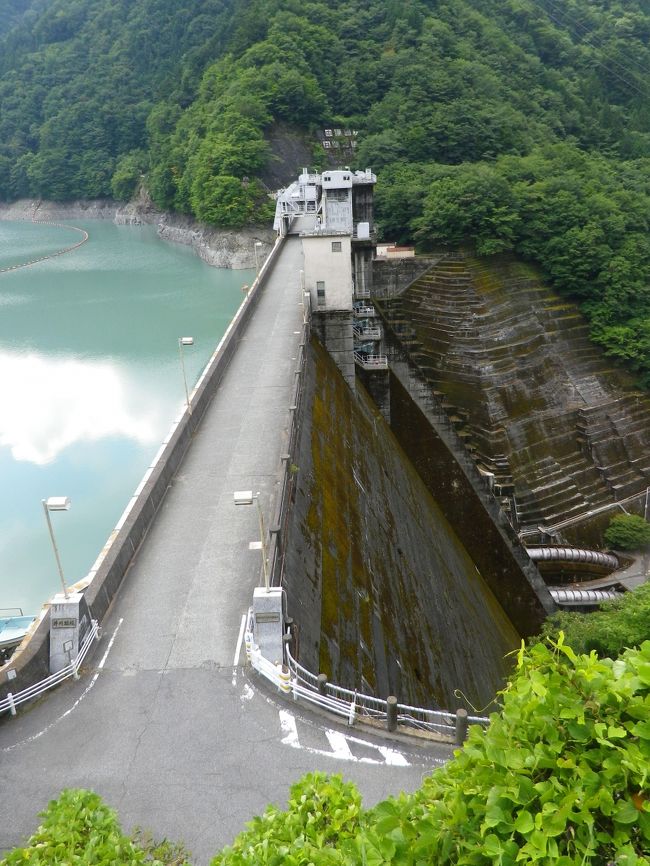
246 497
257 261
185 341
56 503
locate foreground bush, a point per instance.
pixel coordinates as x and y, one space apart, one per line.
560 778
79 828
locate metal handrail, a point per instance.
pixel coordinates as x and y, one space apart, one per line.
371 362
294 679
11 701
277 547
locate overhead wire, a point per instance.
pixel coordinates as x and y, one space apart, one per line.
583 40
584 36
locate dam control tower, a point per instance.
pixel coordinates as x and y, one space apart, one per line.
332 212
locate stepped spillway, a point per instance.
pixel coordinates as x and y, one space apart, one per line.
536 402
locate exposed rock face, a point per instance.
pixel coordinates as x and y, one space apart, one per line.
45 211
537 403
221 248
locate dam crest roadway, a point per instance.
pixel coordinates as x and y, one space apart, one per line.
165 722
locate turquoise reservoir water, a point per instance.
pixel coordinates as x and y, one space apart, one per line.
90 382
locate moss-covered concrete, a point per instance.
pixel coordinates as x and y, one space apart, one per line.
385 596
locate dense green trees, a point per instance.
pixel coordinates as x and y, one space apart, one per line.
521 125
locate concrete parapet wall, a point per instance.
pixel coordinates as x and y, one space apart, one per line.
31 661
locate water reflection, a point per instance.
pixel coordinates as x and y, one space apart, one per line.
90 383
50 403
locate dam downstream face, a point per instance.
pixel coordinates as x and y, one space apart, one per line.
90 382
385 596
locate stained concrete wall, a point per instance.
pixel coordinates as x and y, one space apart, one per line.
385 596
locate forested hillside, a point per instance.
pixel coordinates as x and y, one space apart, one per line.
523 124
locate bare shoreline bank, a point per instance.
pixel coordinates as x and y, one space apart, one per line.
220 248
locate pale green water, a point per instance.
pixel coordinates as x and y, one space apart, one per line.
90 382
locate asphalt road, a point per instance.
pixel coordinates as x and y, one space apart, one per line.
165 723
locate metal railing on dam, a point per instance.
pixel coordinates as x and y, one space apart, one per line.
30 663
294 680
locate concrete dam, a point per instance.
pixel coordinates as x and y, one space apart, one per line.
562 432
392 527
385 594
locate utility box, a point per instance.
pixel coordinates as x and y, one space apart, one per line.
268 625
69 625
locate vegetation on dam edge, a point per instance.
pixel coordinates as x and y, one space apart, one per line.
560 777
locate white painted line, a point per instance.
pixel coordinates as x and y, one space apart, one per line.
242 626
288 726
76 703
109 647
339 745
393 758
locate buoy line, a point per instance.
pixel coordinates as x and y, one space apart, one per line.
61 252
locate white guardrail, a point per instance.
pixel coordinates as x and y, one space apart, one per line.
37 689
295 680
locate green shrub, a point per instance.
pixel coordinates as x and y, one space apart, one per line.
560 777
628 532
322 819
619 624
78 828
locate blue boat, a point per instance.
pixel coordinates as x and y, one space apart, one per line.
12 630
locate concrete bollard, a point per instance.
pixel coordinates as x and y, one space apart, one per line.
391 713
322 684
461 726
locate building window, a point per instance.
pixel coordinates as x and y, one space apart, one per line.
336 246
320 292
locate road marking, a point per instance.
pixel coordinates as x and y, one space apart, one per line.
76 703
242 626
340 745
392 757
240 638
288 726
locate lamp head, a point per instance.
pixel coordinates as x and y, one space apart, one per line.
57 503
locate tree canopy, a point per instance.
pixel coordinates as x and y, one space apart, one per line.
520 125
